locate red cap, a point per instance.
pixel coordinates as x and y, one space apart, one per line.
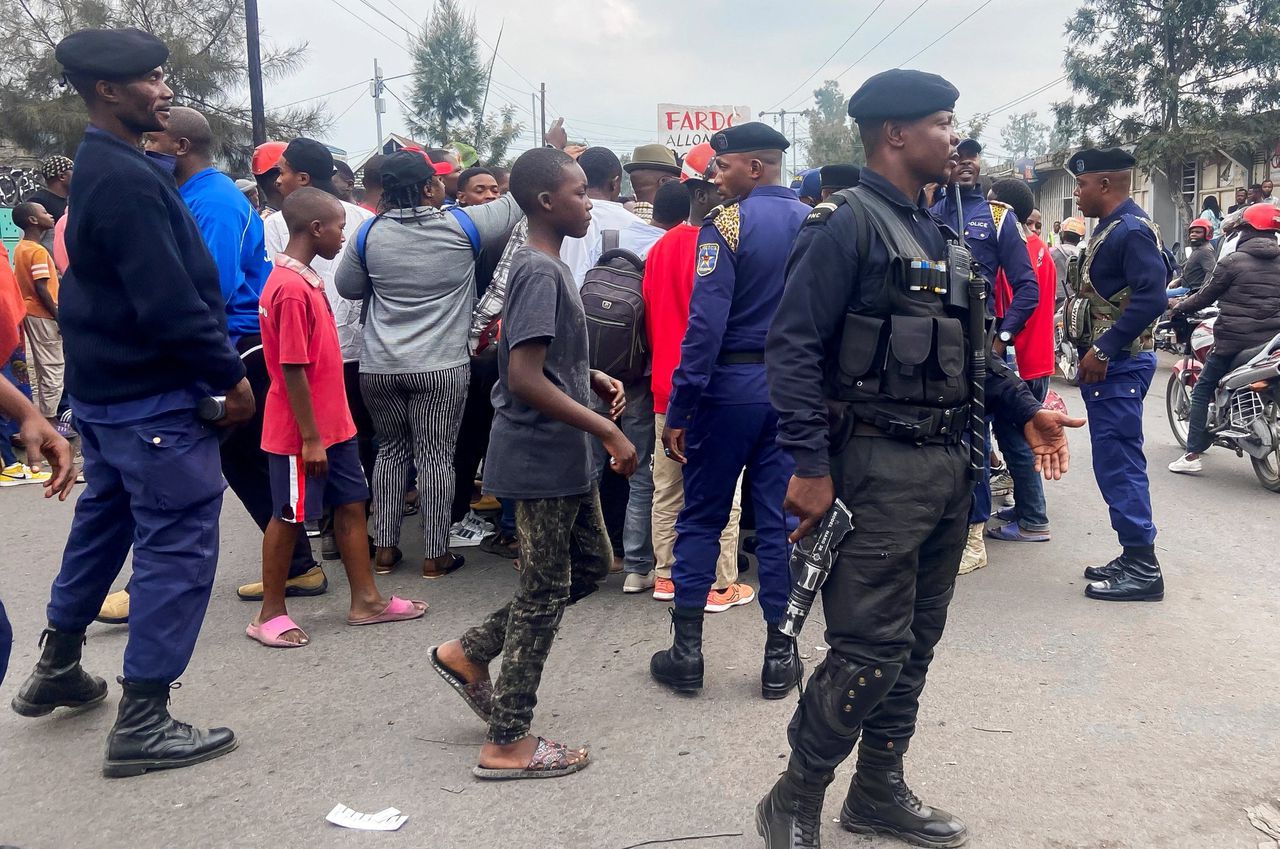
267 156
1262 216
441 168
1202 224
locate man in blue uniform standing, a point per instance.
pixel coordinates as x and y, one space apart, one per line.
1121 277
719 419
991 233
145 331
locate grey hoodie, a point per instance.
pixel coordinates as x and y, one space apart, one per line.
421 284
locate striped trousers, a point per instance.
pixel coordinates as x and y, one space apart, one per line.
416 417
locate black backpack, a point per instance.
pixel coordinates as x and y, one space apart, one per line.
613 300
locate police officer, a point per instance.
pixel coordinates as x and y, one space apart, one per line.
874 410
1122 276
992 235
719 420
146 336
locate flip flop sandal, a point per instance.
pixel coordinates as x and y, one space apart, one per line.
454 565
268 633
477 695
397 610
388 568
550 760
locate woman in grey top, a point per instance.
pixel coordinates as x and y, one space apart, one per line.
416 274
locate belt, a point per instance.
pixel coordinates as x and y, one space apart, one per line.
740 358
948 428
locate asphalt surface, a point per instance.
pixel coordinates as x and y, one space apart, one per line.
1049 720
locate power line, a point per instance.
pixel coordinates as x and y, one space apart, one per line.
947 33
326 94
1017 100
371 26
359 97
856 30
389 19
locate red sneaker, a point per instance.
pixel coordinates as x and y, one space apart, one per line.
664 590
733 595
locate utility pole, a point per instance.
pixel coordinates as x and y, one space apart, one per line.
257 111
533 101
542 106
379 102
781 115
794 146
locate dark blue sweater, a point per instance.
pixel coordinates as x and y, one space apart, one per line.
141 309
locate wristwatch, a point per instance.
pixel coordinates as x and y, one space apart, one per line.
1006 337
1100 354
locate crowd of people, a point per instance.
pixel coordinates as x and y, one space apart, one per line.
580 382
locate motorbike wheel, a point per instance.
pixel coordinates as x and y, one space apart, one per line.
1268 468
1177 402
1069 364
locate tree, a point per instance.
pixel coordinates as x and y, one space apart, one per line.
1175 78
832 138
449 86
207 70
1024 136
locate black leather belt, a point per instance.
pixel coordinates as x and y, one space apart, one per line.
740 358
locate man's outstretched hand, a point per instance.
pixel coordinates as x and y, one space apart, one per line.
1047 437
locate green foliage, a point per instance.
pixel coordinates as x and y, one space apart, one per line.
207 69
1024 136
832 137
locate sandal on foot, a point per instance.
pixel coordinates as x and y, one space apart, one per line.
478 695
550 760
454 565
380 568
397 610
268 633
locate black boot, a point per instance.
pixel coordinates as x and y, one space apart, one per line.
680 667
790 817
1139 578
782 668
880 802
145 737
58 679
1104 573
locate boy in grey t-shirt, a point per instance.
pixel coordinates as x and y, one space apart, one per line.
539 455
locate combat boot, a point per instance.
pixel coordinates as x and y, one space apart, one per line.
145 737
790 817
1138 579
1103 573
782 668
880 802
58 679
680 667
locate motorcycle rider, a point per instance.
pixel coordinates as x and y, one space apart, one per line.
1246 285
1200 263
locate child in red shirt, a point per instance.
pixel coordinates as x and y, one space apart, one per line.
307 429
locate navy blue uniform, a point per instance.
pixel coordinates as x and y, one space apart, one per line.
719 394
1129 256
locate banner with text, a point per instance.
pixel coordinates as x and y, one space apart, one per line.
683 127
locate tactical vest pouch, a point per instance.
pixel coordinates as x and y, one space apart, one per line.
910 343
1077 321
945 383
859 347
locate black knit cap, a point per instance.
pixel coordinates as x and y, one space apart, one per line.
111 54
1094 161
902 94
744 138
313 159
840 176
969 147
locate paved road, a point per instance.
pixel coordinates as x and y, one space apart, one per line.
1049 720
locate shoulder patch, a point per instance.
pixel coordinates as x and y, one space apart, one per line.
728 221
708 256
821 212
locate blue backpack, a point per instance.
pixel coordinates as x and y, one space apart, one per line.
362 239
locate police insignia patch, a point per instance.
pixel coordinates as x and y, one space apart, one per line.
708 256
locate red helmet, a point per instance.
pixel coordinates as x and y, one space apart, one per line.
1202 224
698 163
267 156
1262 216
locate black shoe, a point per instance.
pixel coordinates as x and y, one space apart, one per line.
1138 578
58 679
680 667
329 547
880 802
1104 573
790 817
145 737
782 667
744 563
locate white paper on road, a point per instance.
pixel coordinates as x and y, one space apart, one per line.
385 820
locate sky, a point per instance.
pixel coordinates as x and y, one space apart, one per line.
607 64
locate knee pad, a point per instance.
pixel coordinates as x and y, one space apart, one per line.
841 693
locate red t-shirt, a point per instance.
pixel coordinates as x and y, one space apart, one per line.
1033 347
298 329
668 286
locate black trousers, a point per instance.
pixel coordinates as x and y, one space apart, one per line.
364 421
244 463
886 599
473 435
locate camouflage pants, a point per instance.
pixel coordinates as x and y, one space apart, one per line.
565 554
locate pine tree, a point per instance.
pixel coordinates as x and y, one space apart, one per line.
832 137
1024 136
448 80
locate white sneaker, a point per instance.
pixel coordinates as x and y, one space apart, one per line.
1184 466
637 583
462 535
477 522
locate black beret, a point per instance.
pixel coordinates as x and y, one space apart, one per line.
904 94
111 54
744 138
840 176
973 146
1094 161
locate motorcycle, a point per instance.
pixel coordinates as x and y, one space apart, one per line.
1244 414
1066 357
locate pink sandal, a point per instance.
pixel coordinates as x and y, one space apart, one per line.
268 633
397 610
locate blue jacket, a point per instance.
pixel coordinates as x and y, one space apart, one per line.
140 310
740 272
1129 256
995 249
233 232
